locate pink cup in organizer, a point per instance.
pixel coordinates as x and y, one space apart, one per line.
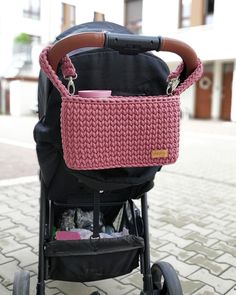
95 93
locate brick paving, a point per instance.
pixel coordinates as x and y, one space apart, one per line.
192 212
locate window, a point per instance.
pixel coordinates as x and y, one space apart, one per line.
196 12
68 16
23 44
31 9
185 19
133 15
209 9
98 16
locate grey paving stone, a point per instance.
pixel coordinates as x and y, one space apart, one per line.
180 242
155 243
135 279
5 291
20 233
33 242
133 292
197 237
24 256
208 252
222 246
15 214
216 223
184 269
7 271
157 233
6 224
206 290
174 220
190 286
5 210
220 285
195 228
8 244
33 268
28 222
112 287
232 291
74 288
214 267
223 237
227 258
172 249
178 231
4 234
157 255
4 259
229 274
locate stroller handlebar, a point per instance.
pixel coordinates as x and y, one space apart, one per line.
124 43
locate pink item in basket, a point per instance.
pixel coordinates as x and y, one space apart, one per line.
95 93
67 235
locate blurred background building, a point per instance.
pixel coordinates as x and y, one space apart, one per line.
27 26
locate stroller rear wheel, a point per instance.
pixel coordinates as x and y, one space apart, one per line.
21 283
165 279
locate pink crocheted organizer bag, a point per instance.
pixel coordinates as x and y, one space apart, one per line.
118 131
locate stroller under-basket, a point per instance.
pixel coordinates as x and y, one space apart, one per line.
121 63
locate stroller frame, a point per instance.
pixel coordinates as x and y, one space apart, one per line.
158 279
44 234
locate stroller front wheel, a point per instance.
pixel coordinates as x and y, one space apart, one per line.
21 284
165 279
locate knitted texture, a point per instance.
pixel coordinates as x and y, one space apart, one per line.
120 131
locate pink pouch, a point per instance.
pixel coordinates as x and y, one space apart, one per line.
114 132
119 131
67 235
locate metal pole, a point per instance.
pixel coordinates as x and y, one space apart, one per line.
147 277
41 262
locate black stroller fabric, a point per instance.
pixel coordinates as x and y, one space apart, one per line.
86 260
141 74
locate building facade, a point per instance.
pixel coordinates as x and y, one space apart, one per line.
206 25
29 25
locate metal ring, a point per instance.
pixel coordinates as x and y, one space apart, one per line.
71 86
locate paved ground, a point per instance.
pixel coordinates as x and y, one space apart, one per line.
192 214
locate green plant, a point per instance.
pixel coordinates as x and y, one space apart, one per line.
23 38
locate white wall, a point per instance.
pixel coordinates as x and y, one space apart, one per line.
187 102
23 97
113 10
160 17
52 14
8 25
211 42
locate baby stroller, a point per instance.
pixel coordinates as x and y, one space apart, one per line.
106 56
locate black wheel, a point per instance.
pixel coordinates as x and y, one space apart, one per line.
21 283
165 279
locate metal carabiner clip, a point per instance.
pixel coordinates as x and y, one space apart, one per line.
172 85
71 86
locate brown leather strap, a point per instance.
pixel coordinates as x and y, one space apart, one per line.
68 44
187 54
97 39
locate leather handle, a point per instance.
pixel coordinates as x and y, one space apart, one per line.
187 54
98 39
73 42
